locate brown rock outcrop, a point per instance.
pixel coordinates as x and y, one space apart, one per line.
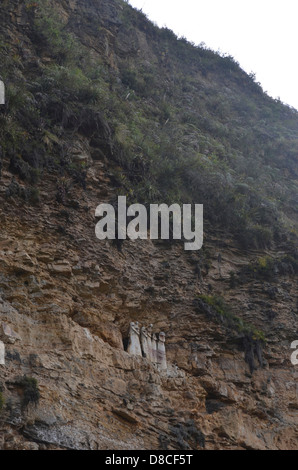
70 298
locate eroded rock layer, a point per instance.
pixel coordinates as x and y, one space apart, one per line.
67 301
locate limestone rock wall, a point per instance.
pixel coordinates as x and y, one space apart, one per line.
72 316
70 300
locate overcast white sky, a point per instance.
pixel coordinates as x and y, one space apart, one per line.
262 35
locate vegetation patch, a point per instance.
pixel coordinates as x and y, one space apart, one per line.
191 127
218 308
268 268
30 391
253 339
188 436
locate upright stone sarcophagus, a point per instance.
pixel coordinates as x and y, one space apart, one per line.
143 342
134 345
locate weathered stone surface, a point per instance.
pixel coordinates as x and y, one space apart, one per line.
7 334
71 299
62 267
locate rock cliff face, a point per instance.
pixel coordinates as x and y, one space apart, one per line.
69 298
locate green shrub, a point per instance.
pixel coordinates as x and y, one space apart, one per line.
233 280
30 389
177 136
265 266
51 34
268 268
223 313
255 236
19 167
188 436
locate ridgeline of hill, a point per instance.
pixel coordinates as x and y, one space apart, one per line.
177 123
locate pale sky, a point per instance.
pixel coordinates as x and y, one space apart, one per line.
262 35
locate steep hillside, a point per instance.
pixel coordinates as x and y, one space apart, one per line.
101 103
